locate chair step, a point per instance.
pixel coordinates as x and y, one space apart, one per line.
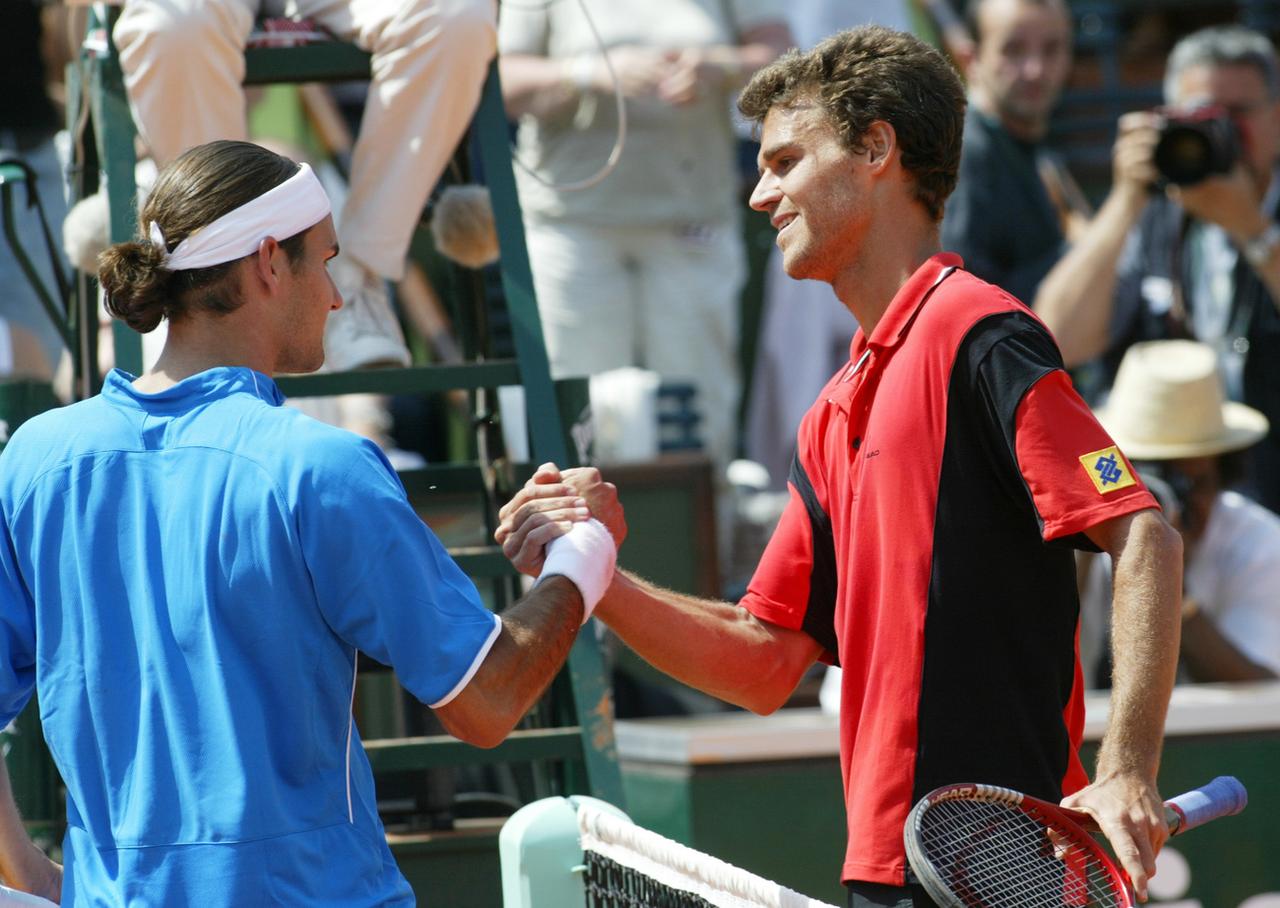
412 380
402 754
443 478
329 61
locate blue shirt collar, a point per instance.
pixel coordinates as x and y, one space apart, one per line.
211 384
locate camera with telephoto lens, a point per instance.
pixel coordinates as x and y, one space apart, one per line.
1196 144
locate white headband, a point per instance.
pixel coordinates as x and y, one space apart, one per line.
288 209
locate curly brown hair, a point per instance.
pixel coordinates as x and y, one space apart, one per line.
874 73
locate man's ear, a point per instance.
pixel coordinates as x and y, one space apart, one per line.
880 142
267 262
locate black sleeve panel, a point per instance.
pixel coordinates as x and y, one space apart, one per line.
999 666
1005 355
820 614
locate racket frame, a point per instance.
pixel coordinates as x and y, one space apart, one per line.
942 893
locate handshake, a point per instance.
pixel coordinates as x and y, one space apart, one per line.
568 523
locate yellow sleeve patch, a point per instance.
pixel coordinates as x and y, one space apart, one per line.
1108 469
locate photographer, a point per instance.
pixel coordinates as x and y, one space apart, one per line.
1168 415
1195 260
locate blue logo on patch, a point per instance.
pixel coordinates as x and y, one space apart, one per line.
1108 470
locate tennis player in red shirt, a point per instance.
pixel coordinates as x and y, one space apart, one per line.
942 479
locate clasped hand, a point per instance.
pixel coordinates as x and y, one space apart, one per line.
548 506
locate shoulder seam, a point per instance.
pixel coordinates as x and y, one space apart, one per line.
277 492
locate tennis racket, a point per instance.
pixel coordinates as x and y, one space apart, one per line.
979 846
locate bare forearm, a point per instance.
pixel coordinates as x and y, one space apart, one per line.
1210 656
1145 630
536 635
1268 271
760 46
1147 556
717 647
22 865
1075 297
540 86
737 63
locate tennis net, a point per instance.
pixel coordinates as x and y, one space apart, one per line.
631 867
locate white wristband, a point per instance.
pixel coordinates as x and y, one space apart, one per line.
586 555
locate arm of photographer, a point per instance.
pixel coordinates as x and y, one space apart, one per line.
1232 202
1076 297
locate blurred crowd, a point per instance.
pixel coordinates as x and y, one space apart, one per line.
1161 283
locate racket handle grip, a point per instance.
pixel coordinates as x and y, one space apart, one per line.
1222 797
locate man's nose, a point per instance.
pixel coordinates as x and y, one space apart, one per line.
1033 66
766 193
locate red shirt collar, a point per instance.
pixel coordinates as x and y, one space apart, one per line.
897 319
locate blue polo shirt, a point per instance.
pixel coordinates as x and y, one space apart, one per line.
186 578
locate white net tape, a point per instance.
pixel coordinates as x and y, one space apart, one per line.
679 867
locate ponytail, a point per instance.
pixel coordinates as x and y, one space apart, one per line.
138 289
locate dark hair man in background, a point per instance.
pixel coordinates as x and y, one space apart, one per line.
931 476
1013 196
1200 260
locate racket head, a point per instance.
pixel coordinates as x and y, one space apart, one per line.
982 846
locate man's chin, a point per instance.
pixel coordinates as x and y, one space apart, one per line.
796 266
302 365
1027 117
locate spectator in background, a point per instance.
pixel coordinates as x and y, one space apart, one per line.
1013 198
28 122
1168 414
1195 261
183 63
645 267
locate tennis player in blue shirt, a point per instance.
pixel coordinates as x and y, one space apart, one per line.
187 570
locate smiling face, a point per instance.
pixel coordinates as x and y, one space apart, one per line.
812 189
1022 62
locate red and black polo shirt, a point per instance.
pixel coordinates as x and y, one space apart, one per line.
941 481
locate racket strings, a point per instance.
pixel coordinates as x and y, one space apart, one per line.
995 855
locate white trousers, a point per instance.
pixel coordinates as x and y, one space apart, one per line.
183 63
662 298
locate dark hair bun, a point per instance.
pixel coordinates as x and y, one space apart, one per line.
137 286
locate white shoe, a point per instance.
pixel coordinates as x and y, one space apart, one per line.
364 332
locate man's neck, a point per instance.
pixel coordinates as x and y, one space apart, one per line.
191 348
1031 132
888 260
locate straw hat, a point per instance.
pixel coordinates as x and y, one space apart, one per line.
1167 402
